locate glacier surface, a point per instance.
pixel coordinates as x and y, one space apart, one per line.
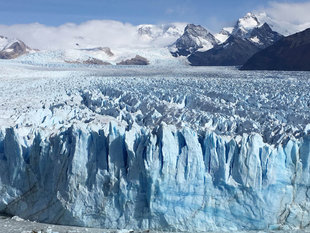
127 147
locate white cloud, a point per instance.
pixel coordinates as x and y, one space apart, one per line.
288 18
295 13
89 34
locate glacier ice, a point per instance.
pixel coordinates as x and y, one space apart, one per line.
189 149
167 179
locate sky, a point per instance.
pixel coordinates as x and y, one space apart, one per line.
61 24
213 14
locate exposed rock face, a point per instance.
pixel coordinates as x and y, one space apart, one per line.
195 38
235 51
14 50
137 60
95 61
89 61
248 37
290 53
263 36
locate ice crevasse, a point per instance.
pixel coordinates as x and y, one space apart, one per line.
161 179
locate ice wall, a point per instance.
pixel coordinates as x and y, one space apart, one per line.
165 179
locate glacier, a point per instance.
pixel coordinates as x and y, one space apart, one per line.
173 149
168 179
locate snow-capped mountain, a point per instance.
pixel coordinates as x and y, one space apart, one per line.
151 31
195 38
12 48
223 35
247 37
245 25
160 35
259 32
241 29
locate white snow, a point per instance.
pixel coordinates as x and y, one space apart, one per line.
206 45
224 34
160 35
248 22
255 39
8 50
5 43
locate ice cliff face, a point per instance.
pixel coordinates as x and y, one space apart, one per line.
167 179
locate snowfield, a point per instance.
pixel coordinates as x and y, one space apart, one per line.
155 147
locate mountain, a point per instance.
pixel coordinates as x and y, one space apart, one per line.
248 37
10 49
195 38
235 51
151 32
161 35
290 53
224 34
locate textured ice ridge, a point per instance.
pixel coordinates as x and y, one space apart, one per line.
165 179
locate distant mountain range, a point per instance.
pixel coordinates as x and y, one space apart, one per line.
246 38
190 43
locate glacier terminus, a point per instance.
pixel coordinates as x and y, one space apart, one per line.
186 149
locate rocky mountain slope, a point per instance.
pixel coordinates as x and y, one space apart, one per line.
248 37
10 49
290 53
195 38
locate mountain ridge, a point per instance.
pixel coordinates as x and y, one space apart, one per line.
291 53
247 38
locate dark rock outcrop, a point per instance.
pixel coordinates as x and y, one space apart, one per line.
137 60
95 61
264 35
235 51
89 61
292 53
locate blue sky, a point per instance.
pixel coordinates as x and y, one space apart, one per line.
213 14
